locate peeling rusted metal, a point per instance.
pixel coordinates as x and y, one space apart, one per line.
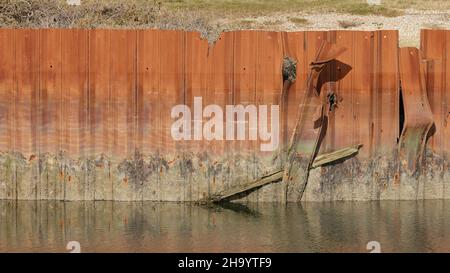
418 115
81 102
309 131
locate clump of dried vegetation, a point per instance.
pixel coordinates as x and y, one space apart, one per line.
210 18
289 69
57 13
102 14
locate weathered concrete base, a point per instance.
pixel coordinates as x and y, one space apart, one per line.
196 175
379 179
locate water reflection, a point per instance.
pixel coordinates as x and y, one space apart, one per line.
47 226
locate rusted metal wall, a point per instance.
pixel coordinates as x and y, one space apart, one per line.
85 114
365 79
435 48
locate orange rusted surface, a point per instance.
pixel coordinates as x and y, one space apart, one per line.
106 94
446 112
386 95
74 49
99 92
27 91
418 115
220 80
172 84
81 102
435 45
26 116
123 92
312 123
269 78
50 84
219 75
7 87
293 46
196 85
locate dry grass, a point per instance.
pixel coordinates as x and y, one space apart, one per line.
209 17
388 8
365 9
103 14
56 13
144 13
135 13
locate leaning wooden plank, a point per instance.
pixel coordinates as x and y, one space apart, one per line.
267 179
336 155
277 175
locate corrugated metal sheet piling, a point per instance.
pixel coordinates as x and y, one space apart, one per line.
86 115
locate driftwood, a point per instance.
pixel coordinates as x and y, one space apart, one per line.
267 179
328 158
277 175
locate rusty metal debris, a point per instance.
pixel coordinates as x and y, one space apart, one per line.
418 115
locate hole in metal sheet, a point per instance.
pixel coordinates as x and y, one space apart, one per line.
289 69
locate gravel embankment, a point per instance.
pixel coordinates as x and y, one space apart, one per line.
409 24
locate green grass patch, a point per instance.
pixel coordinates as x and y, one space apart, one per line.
365 9
389 8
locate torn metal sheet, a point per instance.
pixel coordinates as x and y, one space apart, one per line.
307 135
418 115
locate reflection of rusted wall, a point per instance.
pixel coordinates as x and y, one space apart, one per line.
85 114
47 226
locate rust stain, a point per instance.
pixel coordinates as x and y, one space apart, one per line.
309 130
109 93
418 115
435 45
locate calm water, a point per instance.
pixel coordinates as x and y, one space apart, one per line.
47 226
